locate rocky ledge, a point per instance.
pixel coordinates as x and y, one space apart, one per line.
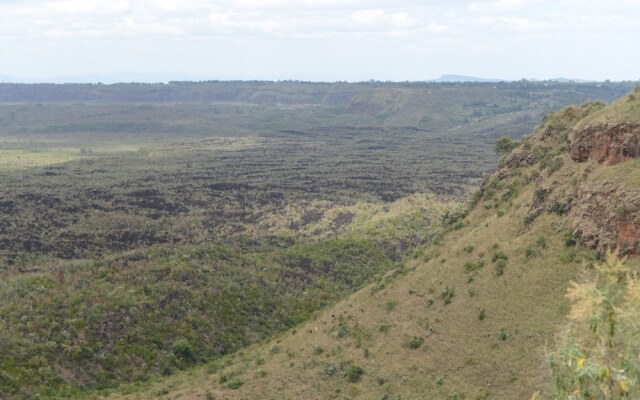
606 144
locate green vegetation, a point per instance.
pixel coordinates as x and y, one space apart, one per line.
198 225
626 110
186 305
505 145
354 372
598 356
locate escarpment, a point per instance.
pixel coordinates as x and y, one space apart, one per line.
606 144
587 163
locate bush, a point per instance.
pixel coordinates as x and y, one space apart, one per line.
447 294
390 305
541 242
500 266
183 350
598 356
329 369
354 373
505 145
235 383
568 240
416 342
558 207
529 218
499 255
470 266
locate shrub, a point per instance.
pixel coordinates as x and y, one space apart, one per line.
482 315
621 211
235 383
598 356
500 266
415 342
499 255
558 207
468 248
530 252
447 294
390 305
541 242
568 240
454 217
504 145
470 266
183 350
329 369
552 164
354 373
529 218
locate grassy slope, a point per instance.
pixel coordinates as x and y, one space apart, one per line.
399 331
626 109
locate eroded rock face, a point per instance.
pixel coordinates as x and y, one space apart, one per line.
607 217
606 144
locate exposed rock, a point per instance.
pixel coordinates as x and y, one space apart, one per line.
606 144
607 217
520 157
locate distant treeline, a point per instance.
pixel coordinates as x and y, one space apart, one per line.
283 92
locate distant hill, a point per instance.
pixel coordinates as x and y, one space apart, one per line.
571 80
464 78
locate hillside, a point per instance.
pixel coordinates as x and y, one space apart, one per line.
471 315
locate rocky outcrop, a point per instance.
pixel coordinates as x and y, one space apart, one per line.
607 217
606 144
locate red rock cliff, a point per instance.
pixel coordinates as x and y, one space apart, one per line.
606 144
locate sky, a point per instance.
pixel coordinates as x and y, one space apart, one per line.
318 40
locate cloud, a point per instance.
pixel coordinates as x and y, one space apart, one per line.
437 29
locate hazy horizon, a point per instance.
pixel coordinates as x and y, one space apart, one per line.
347 40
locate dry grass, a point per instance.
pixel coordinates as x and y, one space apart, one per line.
626 109
412 341
461 356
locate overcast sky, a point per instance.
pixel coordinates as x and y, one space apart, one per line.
316 40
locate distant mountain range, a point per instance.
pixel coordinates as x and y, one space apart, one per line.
465 78
167 77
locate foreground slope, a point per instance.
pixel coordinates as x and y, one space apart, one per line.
471 316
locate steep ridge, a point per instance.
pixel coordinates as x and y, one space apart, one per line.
469 317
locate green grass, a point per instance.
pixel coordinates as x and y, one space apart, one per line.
178 231
626 109
487 345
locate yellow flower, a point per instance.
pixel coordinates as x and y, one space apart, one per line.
576 392
579 363
623 386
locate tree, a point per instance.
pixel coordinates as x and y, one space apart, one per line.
505 145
